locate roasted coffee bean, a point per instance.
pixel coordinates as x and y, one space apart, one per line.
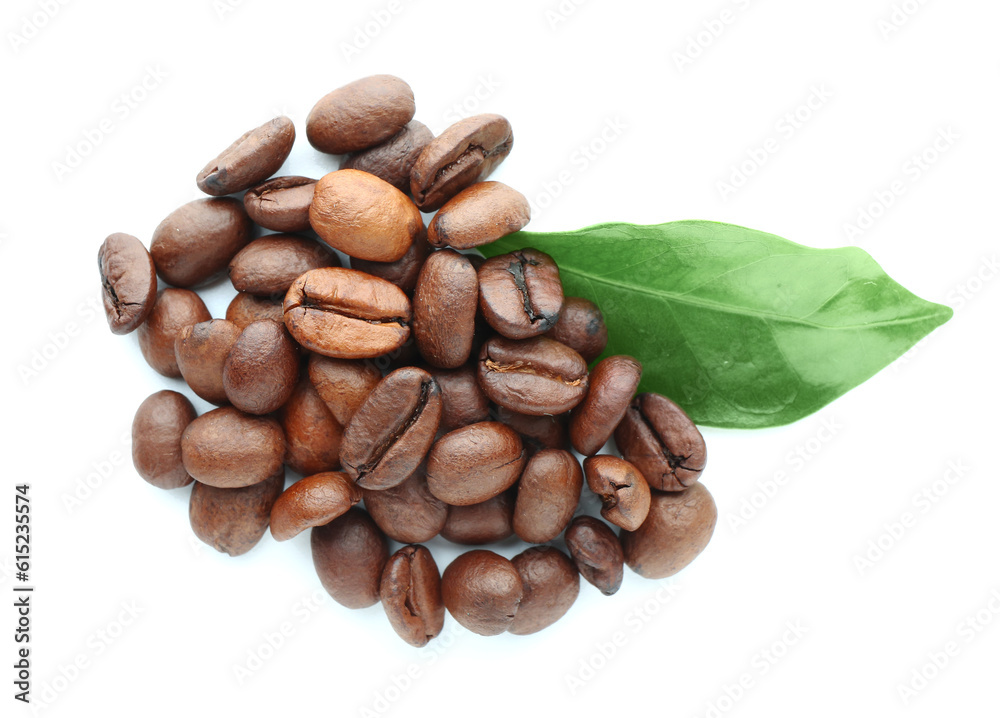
404 271
347 314
662 441
233 520
343 384
230 449
535 376
520 293
251 159
462 155
551 585
173 310
547 495
622 488
462 400
612 385
581 327
393 159
597 553
312 435
128 282
246 309
281 204
361 114
390 434
411 595
268 266
262 368
364 217
474 463
678 528
478 215
407 512
538 432
201 350
194 244
482 591
444 309
156 439
349 554
313 501
487 522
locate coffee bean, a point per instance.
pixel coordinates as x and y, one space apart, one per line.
390 434
359 115
444 309
411 595
281 204
246 309
597 553
581 327
349 554
474 463
478 215
462 400
622 489
312 435
201 350
462 155
662 441
520 293
407 512
482 591
347 314
489 521
678 528
551 585
251 159
343 384
535 376
128 282
405 270
233 520
262 368
612 385
313 501
173 310
268 266
393 159
156 439
547 495
194 244
537 432
229 449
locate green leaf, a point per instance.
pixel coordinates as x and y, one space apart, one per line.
741 328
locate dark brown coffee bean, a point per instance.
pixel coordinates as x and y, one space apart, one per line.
551 585
465 153
230 449
268 266
347 314
246 309
678 528
390 434
312 435
487 522
462 400
173 310
251 159
581 327
520 293
482 591
622 488
233 520
261 370
128 282
281 204
612 385
535 376
444 309
408 512
349 554
156 439
313 501
201 350
393 159
194 244
478 215
361 114
411 595
547 495
597 553
404 271
343 384
538 432
662 441
474 463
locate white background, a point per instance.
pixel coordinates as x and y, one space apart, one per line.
560 73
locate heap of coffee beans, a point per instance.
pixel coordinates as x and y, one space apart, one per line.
440 390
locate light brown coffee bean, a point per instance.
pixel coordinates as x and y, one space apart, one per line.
536 376
487 522
128 282
281 204
393 159
360 114
612 385
444 309
313 501
622 488
478 215
349 554
520 294
246 309
268 266
482 591
201 350
251 159
262 368
174 309
597 553
343 384
407 512
156 439
233 521
411 595
312 435
230 449
547 495
474 463
551 585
